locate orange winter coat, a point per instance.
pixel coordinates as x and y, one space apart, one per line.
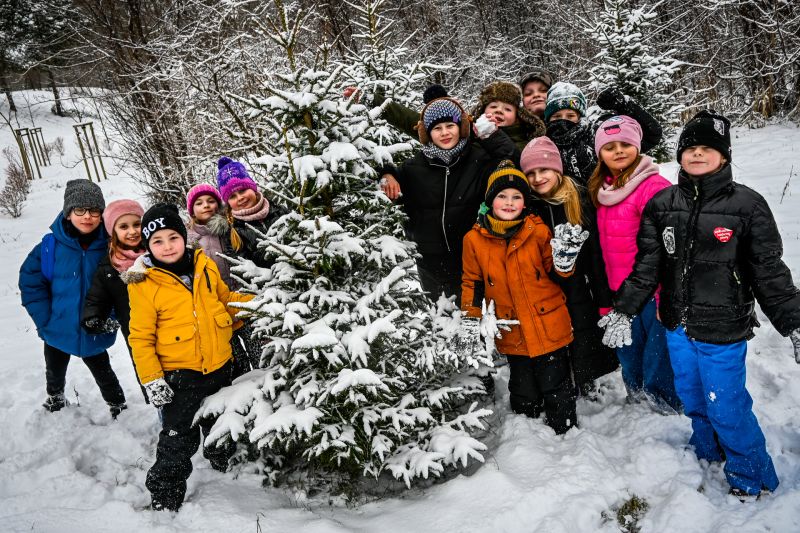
514 273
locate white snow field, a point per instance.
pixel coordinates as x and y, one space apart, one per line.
79 471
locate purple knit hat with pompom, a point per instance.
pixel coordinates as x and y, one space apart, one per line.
231 177
199 190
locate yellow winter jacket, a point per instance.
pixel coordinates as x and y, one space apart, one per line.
173 328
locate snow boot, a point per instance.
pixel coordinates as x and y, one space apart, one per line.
55 402
116 408
746 497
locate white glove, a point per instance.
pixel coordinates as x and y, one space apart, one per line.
566 243
159 391
468 336
618 329
484 127
795 336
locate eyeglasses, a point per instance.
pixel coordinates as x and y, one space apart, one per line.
80 211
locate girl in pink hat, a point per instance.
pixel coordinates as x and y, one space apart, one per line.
209 229
107 307
621 185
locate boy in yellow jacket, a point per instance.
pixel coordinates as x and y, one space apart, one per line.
180 336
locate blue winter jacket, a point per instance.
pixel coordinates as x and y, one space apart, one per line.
56 306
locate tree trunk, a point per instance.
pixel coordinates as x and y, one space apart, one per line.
58 109
9 95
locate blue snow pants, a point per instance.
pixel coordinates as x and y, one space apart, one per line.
710 379
645 363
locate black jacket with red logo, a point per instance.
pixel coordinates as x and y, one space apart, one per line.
714 247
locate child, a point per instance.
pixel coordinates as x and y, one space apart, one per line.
574 135
53 282
123 222
442 187
180 334
508 259
557 200
534 91
713 246
622 184
210 231
249 209
500 102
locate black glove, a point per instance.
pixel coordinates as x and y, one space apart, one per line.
98 326
612 99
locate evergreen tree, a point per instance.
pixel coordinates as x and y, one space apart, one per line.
357 375
627 61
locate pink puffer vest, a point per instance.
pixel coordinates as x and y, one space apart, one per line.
618 217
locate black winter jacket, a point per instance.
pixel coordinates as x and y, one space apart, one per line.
250 238
442 201
106 294
576 141
713 245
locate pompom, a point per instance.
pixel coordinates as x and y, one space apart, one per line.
223 161
433 92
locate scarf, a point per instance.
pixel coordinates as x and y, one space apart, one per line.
432 151
608 195
183 267
255 213
122 258
503 228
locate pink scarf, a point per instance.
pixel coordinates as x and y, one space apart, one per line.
252 214
608 195
122 260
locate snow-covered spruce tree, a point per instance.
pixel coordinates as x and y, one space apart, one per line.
628 61
357 374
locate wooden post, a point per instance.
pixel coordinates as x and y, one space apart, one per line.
24 154
77 129
23 134
97 149
42 146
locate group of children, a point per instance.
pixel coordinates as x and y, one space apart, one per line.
167 288
576 231
588 229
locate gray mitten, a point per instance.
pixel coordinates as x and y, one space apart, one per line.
159 391
468 336
795 336
98 326
566 244
618 329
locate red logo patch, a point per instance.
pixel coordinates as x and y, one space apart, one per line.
723 234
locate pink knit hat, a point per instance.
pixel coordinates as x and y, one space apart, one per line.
618 128
118 208
541 152
199 190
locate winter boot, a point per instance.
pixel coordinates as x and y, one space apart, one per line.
746 497
55 402
116 408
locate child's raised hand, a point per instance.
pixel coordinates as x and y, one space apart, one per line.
566 244
795 336
485 126
618 329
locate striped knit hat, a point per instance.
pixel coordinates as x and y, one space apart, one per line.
507 176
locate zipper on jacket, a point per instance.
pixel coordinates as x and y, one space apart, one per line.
444 206
688 265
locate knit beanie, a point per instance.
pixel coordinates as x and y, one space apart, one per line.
499 91
541 152
199 190
439 111
232 177
507 176
118 208
618 128
563 95
541 75
161 216
707 128
82 193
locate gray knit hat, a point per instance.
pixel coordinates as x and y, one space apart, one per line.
82 193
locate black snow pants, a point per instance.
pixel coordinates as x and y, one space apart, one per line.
99 365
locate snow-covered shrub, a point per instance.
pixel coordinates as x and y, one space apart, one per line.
16 189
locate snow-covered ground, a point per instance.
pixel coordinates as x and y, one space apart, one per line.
77 470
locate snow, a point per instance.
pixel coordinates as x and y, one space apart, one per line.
78 470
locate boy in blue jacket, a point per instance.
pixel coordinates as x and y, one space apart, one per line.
53 282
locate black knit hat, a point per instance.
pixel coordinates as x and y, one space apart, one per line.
707 128
433 92
82 193
507 176
161 216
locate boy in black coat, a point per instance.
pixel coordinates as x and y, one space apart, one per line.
714 247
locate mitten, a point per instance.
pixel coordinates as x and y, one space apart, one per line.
795 336
159 391
618 329
566 244
98 326
468 336
612 99
484 128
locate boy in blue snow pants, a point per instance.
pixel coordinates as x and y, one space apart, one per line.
713 246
